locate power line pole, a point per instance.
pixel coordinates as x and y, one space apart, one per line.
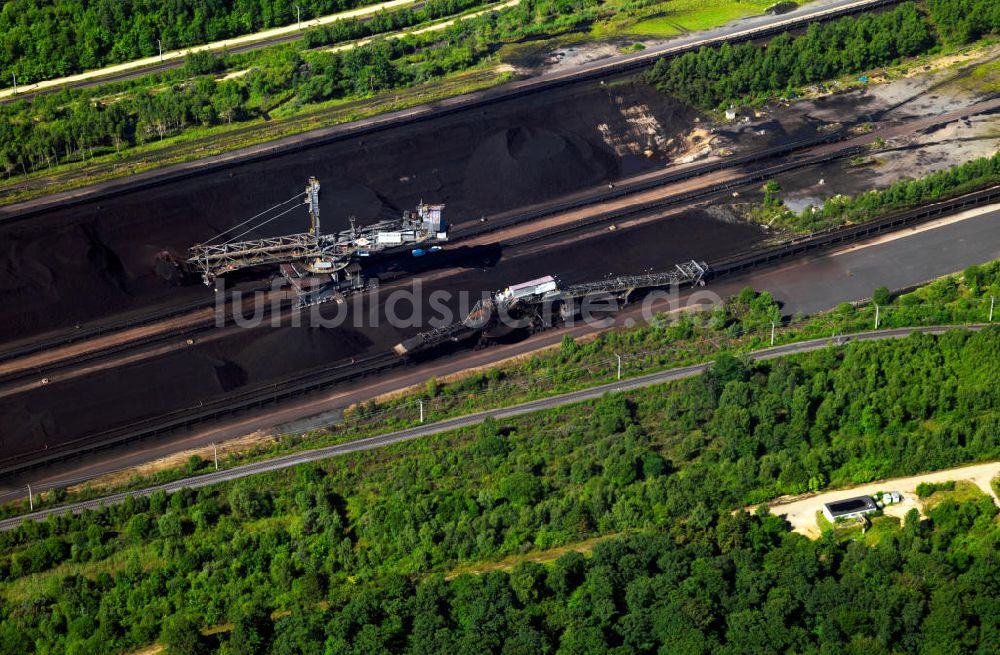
992 299
159 44
298 17
772 333
15 82
31 501
421 411
619 365
215 456
876 317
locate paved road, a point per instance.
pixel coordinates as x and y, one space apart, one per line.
463 421
591 70
901 259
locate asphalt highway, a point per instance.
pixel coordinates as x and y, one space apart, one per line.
468 420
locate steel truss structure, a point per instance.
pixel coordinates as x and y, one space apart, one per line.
317 252
488 311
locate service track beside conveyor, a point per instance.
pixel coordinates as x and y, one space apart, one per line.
297 386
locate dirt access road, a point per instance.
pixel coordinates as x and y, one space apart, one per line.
801 512
257 39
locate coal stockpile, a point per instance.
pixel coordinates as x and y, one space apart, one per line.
81 264
532 164
244 358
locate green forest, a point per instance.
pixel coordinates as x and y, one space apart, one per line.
901 194
353 555
751 74
962 21
44 39
75 125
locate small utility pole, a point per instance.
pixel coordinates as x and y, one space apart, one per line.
421 410
772 333
159 44
31 501
619 365
215 456
992 299
876 317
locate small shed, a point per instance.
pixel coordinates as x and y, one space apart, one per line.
849 508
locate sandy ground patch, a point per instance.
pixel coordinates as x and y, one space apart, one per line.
800 511
233 75
537 556
579 54
915 95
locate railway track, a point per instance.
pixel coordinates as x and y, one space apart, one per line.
501 223
478 230
317 379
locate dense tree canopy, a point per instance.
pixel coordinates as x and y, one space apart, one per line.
363 532
962 21
748 72
43 39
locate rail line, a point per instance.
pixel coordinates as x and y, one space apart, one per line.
382 440
307 382
478 230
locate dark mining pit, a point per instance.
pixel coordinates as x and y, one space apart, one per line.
76 265
244 358
82 264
